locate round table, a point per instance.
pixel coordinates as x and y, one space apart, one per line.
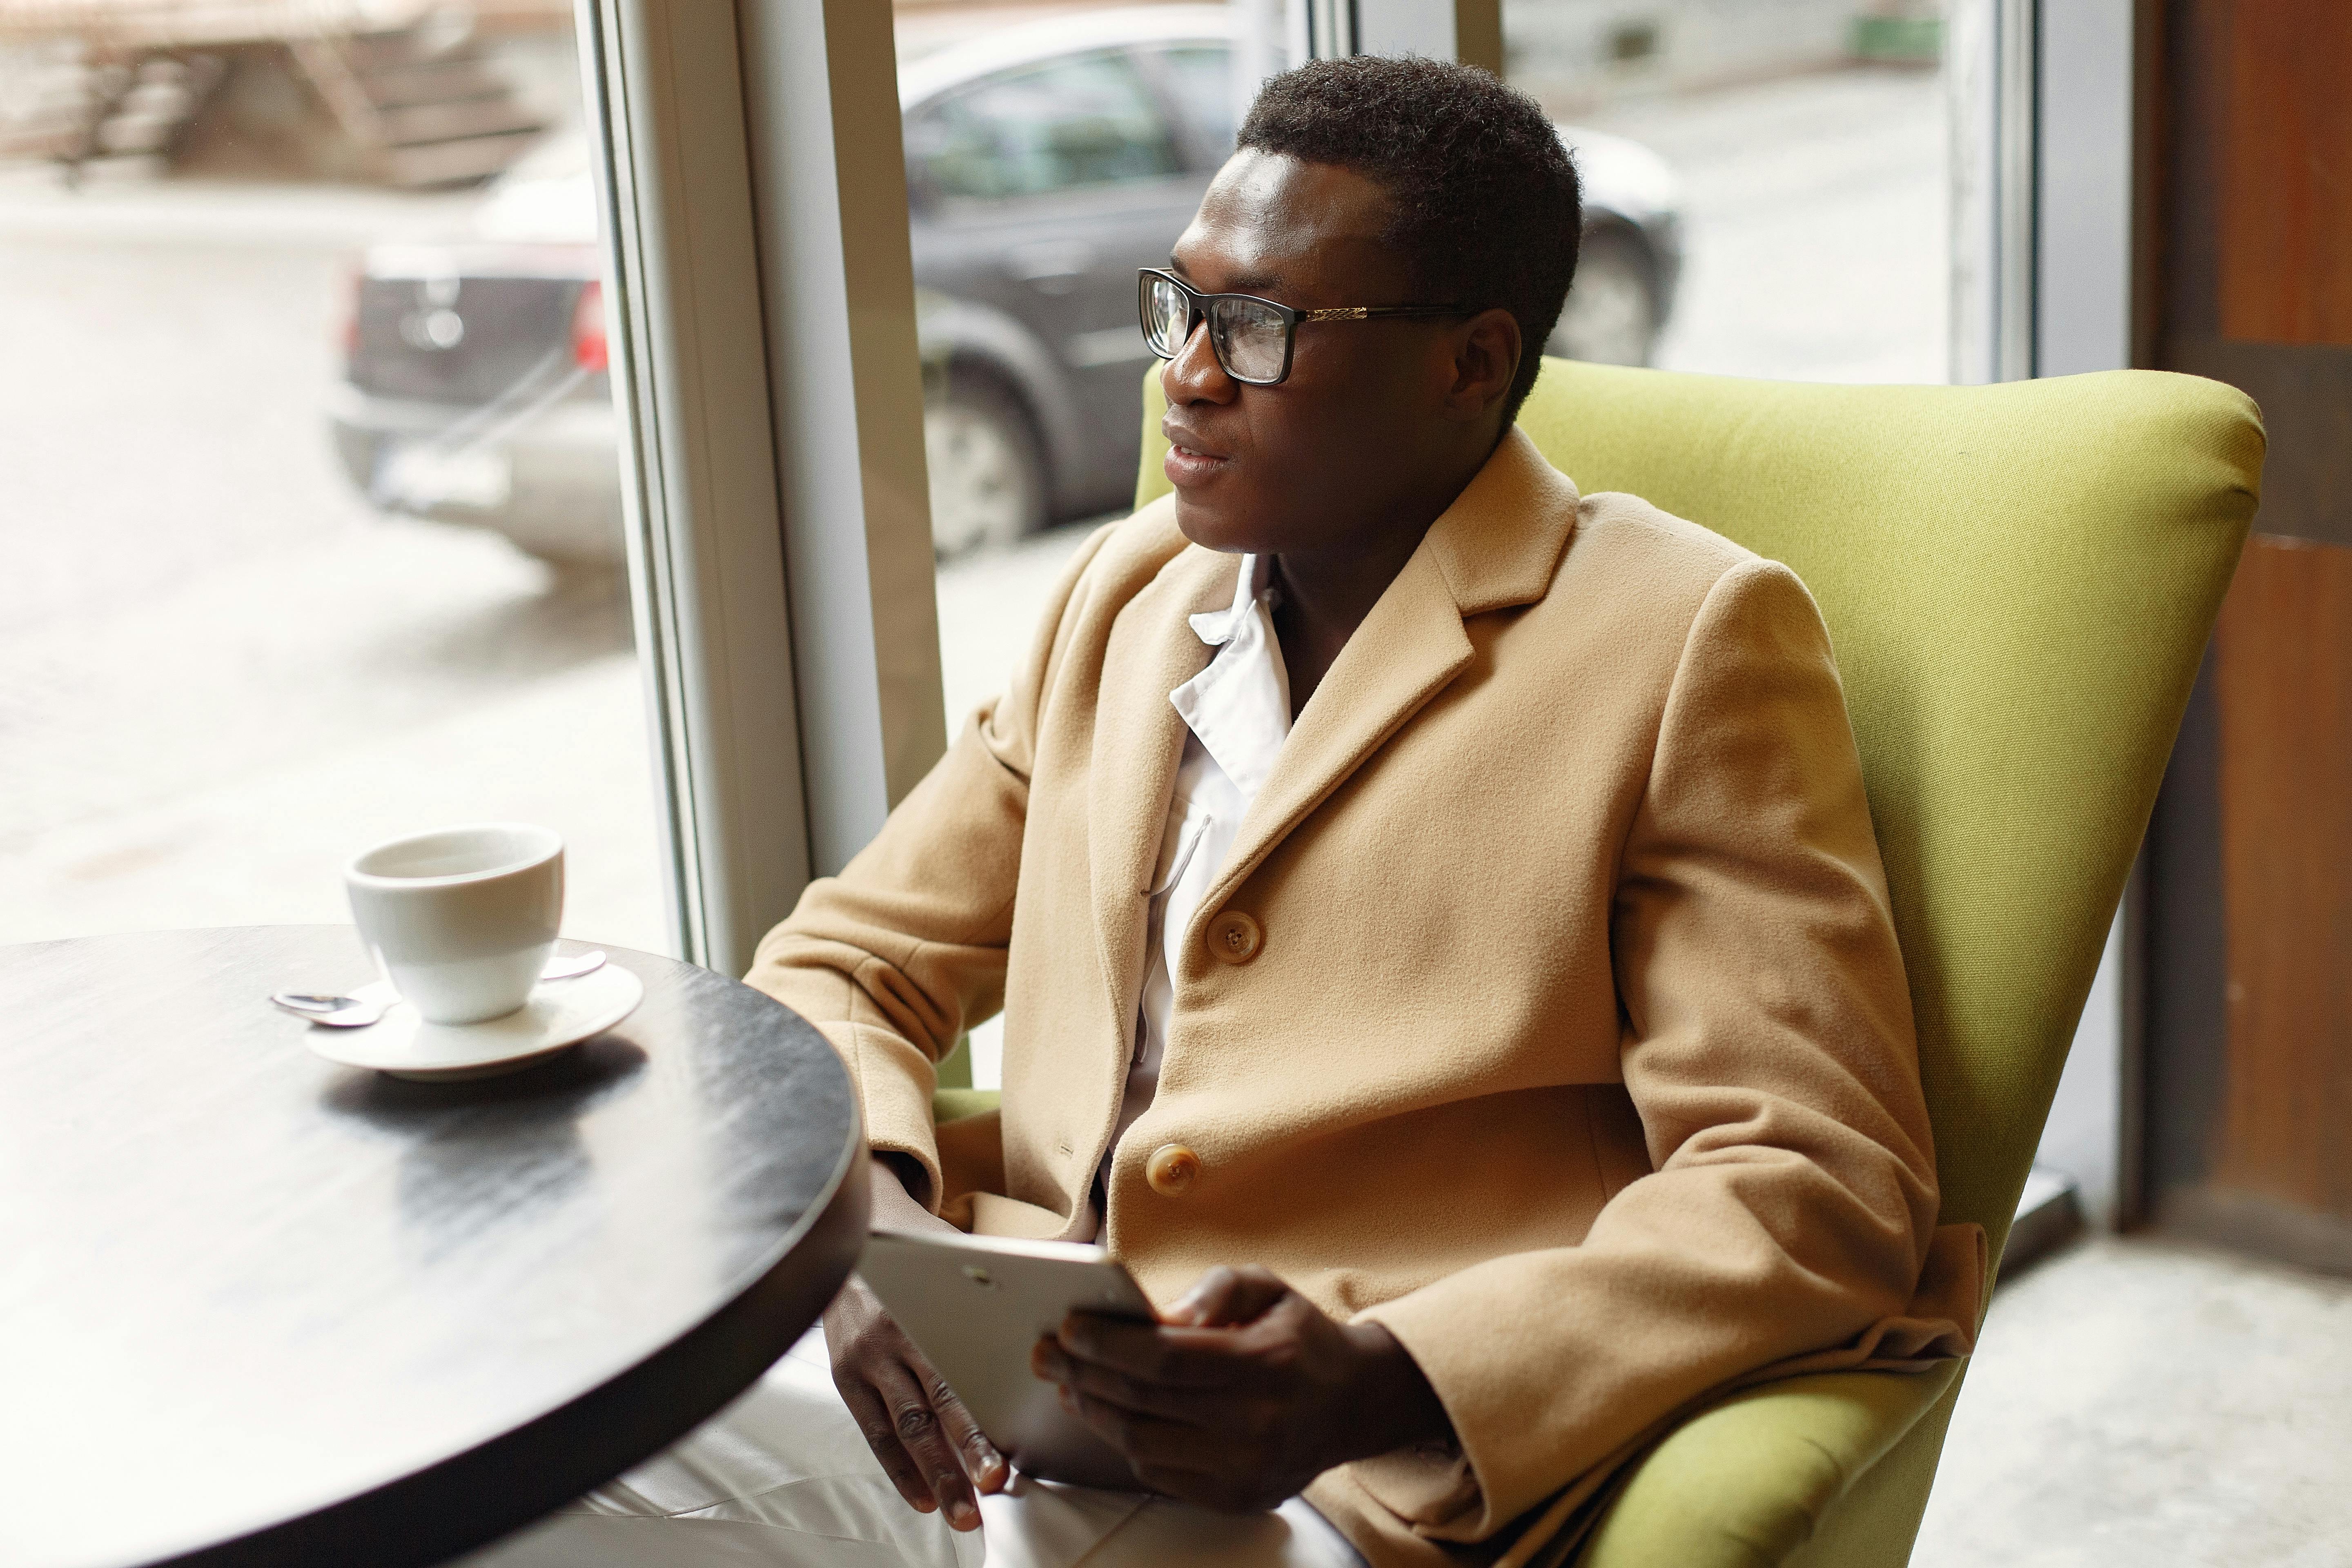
258 1308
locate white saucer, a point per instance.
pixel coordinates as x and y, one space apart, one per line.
560 1012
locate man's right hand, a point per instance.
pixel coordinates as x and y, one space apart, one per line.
927 1441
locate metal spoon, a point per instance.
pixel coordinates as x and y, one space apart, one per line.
362 1007
366 1006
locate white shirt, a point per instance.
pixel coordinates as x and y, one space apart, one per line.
1238 715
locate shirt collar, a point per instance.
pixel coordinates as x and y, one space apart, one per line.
1252 583
1239 707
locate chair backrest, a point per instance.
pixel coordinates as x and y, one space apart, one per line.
2018 581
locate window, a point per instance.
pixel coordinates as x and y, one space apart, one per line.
1200 78
1748 211
1064 125
309 485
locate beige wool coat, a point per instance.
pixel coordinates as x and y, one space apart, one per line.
1566 1036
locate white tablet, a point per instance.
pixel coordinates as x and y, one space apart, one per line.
975 1304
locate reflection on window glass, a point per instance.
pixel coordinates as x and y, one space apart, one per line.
1074 123
1200 80
309 486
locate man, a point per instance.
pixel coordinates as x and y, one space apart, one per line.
1441 943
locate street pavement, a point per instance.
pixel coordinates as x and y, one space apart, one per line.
1817 225
221 674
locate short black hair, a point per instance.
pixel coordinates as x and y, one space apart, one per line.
1487 202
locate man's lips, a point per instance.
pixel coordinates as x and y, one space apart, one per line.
1189 458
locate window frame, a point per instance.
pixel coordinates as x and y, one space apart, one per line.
768 388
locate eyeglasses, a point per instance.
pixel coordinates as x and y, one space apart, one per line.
1252 338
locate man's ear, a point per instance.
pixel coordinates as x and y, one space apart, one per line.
1486 357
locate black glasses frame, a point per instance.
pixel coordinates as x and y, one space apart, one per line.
1197 310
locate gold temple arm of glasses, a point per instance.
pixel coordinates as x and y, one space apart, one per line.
1365 312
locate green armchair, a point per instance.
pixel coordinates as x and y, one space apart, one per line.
2018 581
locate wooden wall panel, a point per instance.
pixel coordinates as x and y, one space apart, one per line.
2247 120
2283 676
2248 131
2286 197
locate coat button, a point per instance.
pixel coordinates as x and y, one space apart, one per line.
1172 1169
1234 937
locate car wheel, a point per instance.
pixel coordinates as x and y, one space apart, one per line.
1611 314
988 481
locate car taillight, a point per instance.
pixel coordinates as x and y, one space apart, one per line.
589 351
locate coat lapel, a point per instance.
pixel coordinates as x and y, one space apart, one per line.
1137 742
1408 649
1496 546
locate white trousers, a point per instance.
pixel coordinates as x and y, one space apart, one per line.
782 1479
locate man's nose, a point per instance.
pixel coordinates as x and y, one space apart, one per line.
1194 376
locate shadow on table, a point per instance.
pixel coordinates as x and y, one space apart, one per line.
482 1157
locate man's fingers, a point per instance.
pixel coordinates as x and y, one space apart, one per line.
923 1437
1149 1352
1219 1408
920 1432
1224 1297
1151 1442
873 1418
1157 1353
1200 1464
980 1461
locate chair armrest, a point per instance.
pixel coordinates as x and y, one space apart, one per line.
1748 1481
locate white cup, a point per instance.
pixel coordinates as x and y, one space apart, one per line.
461 920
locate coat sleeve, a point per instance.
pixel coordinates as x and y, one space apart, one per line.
1769 1050
901 953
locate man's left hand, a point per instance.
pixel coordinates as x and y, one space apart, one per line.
1243 1394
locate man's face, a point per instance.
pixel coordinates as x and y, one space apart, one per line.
1370 408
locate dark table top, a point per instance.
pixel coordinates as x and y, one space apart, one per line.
258 1308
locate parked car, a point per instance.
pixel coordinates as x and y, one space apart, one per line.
1044 164
475 382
